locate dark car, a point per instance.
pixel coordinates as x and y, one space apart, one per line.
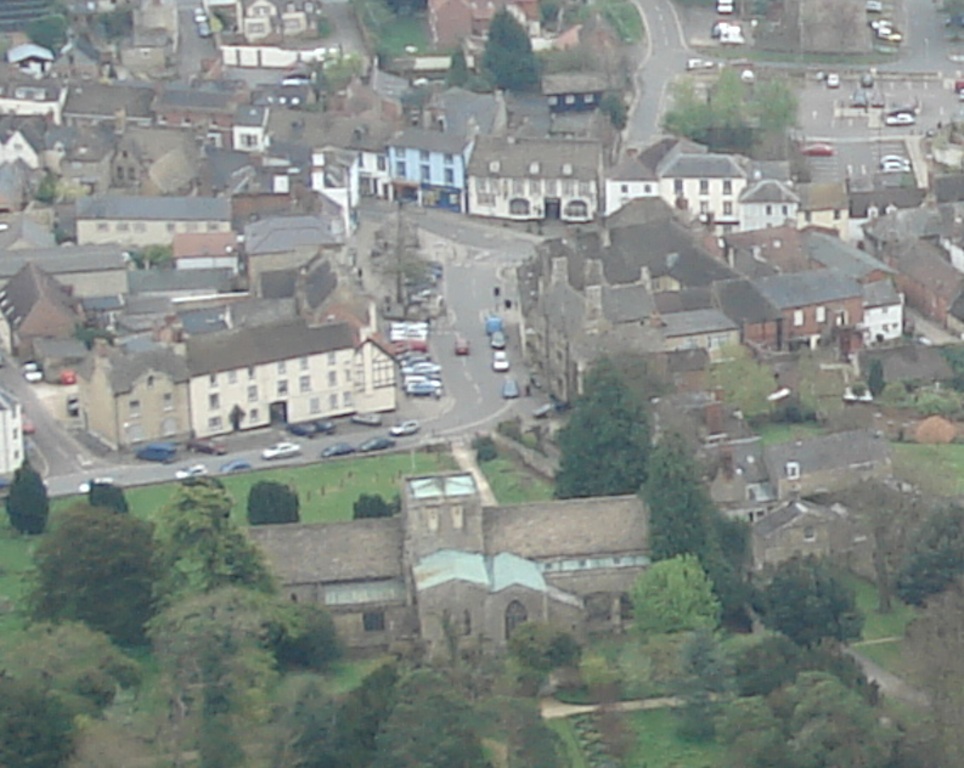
866 80
163 453
325 427
367 419
206 445
238 465
376 444
303 429
338 449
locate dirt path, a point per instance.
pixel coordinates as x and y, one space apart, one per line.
890 684
552 709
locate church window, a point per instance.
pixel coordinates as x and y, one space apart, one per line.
515 614
373 621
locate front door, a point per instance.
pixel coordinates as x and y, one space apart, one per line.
553 208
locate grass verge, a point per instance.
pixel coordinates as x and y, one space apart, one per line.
625 19
570 745
657 745
935 468
514 484
392 33
879 625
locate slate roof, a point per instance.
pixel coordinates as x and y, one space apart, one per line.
927 264
909 362
358 550
696 321
630 169
802 289
880 293
464 109
64 259
949 188
832 252
515 158
33 287
278 283
769 191
791 513
202 100
704 165
245 347
573 82
838 451
429 141
823 196
277 234
60 349
746 456
214 280
627 303
154 208
247 116
742 302
92 100
127 368
615 524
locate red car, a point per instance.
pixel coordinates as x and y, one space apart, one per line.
68 377
27 425
206 445
818 150
461 345
410 345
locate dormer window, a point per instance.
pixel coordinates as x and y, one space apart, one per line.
534 168
567 169
793 470
494 166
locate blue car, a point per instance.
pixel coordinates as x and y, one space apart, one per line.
423 389
238 465
304 429
338 449
510 389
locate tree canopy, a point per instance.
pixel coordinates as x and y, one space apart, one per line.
745 382
675 595
808 603
36 728
108 496
606 443
27 504
542 648
97 567
935 558
508 59
49 31
272 503
370 505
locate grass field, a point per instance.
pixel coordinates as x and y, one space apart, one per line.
513 484
570 745
657 745
879 625
392 33
625 19
935 468
774 434
16 556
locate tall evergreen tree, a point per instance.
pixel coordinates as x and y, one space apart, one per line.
508 59
27 504
272 503
458 74
606 443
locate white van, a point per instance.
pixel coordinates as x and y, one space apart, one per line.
724 7
731 34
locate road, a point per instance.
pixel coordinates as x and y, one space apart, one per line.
192 48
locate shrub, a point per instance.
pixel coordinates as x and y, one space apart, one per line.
485 449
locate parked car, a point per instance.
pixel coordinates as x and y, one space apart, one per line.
895 164
510 389
32 372
423 369
238 465
200 15
818 149
67 377
207 445
424 389
877 99
497 340
338 449
405 428
500 361
376 444
195 470
204 29
860 99
325 427
303 429
833 80
165 453
694 64
462 345
874 6
282 450
27 426
543 411
367 419
866 80
84 487
900 118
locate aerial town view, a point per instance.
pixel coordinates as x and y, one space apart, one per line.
482 383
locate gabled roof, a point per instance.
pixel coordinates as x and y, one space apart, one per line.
248 116
464 109
507 157
29 51
769 191
65 259
97 100
681 164
126 368
696 321
198 99
803 289
742 302
573 82
833 253
841 451
880 293
630 169
927 264
210 279
277 234
791 514
154 208
246 347
429 141
823 196
32 287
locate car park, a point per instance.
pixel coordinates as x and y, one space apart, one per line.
405 428
367 419
282 450
900 118
207 445
833 80
84 487
859 98
462 346
818 149
500 361
338 449
424 389
32 372
376 444
195 470
497 340
510 389
238 465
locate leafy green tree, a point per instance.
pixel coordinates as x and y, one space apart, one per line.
808 603
362 715
681 511
47 189
153 256
272 503
542 648
370 505
613 107
27 504
746 383
49 31
508 58
458 74
529 742
875 377
753 735
774 105
108 496
706 679
675 595
309 736
311 641
764 666
77 664
936 556
200 549
691 115
430 725
606 443
97 567
36 728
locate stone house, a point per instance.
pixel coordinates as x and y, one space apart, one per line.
739 483
931 283
142 221
525 179
273 20
34 305
278 243
85 271
11 434
22 139
286 372
155 161
826 463
707 329
448 562
209 111
127 398
800 529
81 156
118 104
767 203
824 204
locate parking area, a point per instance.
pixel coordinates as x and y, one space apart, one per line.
856 159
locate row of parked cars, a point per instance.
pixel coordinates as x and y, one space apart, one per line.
420 375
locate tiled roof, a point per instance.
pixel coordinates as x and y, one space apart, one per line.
505 157
154 208
839 451
806 288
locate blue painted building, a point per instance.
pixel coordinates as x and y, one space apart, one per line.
428 167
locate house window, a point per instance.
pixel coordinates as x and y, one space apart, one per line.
576 209
282 387
346 399
809 534
253 393
140 226
784 210
332 378
798 317
150 382
727 208
304 384
332 358
769 210
134 409
570 99
400 168
314 405
515 614
426 173
808 217
519 207
704 186
282 368
381 163
213 380
821 314
423 156
303 363
373 621
249 140
553 101
170 226
123 226
518 187
102 226
842 317
704 207
449 176
624 189
678 187
535 187
589 98
836 214
449 159
214 402
253 415
232 377
168 401
727 187
793 470
333 402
